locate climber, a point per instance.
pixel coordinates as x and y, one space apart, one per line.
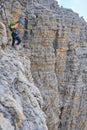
15 34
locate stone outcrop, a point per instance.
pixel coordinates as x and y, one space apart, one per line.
3 35
20 100
55 41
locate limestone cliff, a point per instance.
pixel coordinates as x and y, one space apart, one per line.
55 41
20 100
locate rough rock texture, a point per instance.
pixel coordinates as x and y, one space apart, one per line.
20 99
3 35
56 39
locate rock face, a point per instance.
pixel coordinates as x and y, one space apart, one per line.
3 35
20 99
55 41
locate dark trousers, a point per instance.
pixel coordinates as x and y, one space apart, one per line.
15 37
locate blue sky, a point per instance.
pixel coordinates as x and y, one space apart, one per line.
78 6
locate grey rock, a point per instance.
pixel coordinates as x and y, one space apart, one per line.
56 45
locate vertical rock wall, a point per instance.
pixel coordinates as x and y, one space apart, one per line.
70 70
57 39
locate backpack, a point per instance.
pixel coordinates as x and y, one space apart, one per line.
12 24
